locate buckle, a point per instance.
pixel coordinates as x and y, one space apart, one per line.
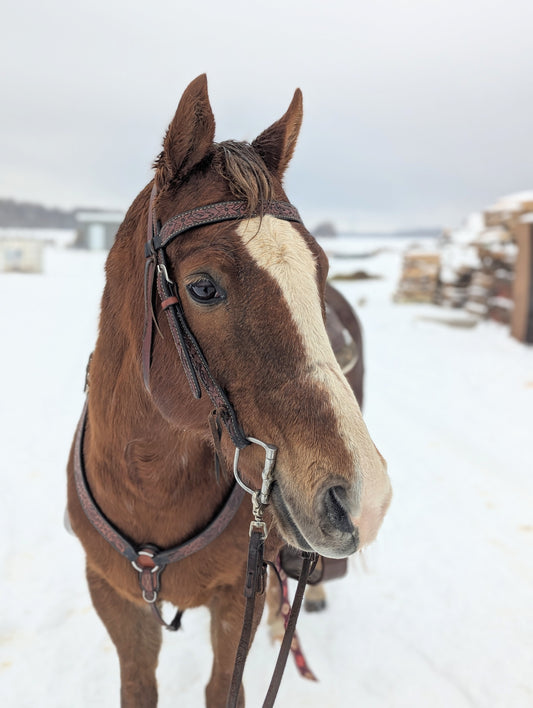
148 575
259 527
162 270
146 566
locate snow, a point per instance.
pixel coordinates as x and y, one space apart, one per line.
470 230
436 613
454 257
512 201
101 217
58 237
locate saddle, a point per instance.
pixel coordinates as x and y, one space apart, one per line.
324 570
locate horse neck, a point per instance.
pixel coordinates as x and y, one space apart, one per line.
145 473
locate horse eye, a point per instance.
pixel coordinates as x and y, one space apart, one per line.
204 290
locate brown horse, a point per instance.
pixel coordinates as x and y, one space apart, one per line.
251 293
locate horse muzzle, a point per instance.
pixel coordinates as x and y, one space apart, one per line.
328 530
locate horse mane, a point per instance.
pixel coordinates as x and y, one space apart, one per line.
246 174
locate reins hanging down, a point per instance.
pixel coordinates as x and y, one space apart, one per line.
255 584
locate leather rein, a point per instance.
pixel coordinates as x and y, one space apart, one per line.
148 560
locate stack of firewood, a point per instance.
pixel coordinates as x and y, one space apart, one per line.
493 284
420 277
478 293
485 291
499 255
454 292
508 212
473 267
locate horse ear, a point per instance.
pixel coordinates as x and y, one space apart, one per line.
276 144
189 135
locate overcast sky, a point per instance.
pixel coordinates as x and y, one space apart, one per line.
416 112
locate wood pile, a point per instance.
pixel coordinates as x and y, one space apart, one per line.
485 291
500 302
497 252
455 292
478 293
419 279
474 268
490 294
508 212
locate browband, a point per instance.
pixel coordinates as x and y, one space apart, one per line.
212 214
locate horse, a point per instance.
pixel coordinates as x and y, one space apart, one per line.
212 339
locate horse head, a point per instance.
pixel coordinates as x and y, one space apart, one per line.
252 292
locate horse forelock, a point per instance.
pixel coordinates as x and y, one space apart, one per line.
245 174
229 170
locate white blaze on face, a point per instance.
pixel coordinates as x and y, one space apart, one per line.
276 246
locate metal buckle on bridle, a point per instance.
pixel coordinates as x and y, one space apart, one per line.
161 268
259 496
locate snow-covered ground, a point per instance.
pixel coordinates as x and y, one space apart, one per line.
438 613
57 237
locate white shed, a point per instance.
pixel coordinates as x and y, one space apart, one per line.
97 229
21 255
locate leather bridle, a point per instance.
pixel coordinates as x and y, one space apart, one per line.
148 560
193 361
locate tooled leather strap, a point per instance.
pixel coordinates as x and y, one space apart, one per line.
92 511
216 213
148 560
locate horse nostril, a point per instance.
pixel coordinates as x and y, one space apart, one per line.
335 503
